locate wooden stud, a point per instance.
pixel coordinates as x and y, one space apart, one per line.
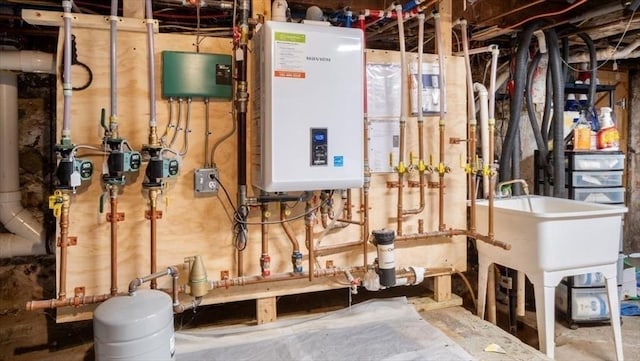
266 310
133 9
444 8
86 21
442 288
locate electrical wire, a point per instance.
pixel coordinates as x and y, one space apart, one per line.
187 130
553 13
207 133
163 138
615 49
198 27
175 134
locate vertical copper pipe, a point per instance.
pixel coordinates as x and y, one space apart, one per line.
347 207
240 259
308 236
443 105
364 200
153 198
420 120
64 243
265 260
287 228
403 119
441 171
113 219
471 180
471 129
492 177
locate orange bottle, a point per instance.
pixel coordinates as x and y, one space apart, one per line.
608 137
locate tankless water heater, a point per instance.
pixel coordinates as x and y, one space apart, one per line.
307 96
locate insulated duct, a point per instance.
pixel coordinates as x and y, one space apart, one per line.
609 53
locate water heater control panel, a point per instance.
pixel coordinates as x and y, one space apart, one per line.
319 146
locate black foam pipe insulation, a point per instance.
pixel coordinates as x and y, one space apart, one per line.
555 64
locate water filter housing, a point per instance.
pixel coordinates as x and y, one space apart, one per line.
308 92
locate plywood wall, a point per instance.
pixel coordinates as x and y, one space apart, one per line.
201 225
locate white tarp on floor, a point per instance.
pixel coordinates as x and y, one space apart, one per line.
386 329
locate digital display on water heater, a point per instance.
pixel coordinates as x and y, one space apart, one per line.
319 151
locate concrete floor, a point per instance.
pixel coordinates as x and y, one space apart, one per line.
35 335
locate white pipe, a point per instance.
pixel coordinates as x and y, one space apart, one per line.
608 54
28 61
484 130
28 234
492 81
279 10
151 64
420 85
66 81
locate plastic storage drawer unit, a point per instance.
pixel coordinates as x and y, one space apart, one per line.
597 179
600 195
582 304
596 160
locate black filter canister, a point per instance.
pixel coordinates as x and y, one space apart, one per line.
115 163
63 173
154 171
383 239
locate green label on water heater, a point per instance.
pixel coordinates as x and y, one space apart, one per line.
290 37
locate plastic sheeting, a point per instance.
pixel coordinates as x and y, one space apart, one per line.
387 329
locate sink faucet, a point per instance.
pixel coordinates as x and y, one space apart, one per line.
525 187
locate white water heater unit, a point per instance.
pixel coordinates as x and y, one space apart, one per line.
307 92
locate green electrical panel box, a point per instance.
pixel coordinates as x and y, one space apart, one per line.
196 75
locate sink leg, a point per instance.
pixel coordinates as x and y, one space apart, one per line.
483 270
545 317
614 311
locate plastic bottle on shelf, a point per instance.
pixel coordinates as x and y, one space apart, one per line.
582 133
608 137
571 104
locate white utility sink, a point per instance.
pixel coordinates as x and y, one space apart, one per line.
552 238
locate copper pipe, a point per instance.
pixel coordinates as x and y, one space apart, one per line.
64 243
336 248
492 177
404 111
265 260
287 228
66 302
240 259
471 175
471 129
365 220
490 240
308 237
325 272
153 203
342 247
420 120
113 219
347 206
442 169
420 172
364 194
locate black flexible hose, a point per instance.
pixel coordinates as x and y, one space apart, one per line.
546 115
565 57
533 119
593 68
515 105
555 63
